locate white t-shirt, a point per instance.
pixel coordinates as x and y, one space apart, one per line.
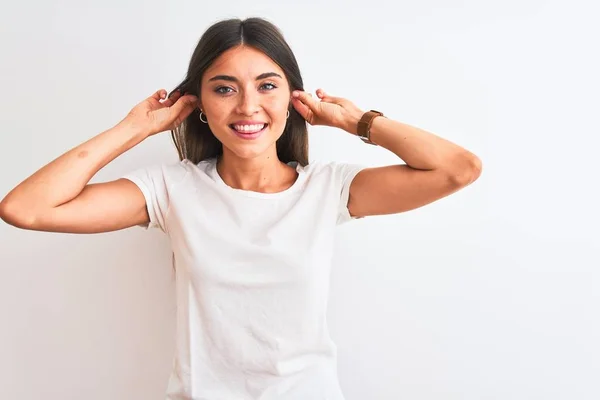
252 280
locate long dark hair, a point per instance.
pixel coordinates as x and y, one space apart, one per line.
193 139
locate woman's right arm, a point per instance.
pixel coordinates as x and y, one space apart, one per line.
59 198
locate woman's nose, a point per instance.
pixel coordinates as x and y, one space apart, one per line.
249 104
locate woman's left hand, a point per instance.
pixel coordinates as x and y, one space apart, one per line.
328 110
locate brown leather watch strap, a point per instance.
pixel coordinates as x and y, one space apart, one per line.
364 125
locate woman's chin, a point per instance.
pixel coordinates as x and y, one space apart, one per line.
251 150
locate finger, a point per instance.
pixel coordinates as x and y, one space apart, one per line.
302 109
184 106
327 98
172 98
159 95
306 99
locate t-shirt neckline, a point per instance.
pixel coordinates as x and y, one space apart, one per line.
249 193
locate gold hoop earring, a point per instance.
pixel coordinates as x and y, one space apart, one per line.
205 121
288 114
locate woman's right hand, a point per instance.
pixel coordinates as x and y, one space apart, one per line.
155 114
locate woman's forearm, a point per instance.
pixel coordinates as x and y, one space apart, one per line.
64 178
420 149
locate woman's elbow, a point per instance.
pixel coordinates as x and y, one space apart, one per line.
467 170
16 215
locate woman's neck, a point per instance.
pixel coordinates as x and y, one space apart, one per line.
265 173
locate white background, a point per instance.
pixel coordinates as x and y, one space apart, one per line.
492 293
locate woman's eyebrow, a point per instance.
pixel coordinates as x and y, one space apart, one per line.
234 79
268 75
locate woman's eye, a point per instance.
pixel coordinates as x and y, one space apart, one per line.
268 86
223 90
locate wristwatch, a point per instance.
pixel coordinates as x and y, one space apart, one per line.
364 125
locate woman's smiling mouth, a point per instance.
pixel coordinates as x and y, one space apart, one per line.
248 130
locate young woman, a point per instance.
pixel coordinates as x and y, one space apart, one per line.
250 221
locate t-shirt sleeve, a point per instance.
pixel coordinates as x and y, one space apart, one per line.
344 175
155 183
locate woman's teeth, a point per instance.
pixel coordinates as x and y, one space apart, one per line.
249 128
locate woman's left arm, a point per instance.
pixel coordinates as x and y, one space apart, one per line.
435 167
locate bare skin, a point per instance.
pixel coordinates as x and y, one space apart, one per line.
248 164
433 167
59 198
243 84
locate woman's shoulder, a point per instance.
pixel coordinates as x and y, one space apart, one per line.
185 166
171 173
331 169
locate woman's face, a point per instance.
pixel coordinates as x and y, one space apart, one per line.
245 98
